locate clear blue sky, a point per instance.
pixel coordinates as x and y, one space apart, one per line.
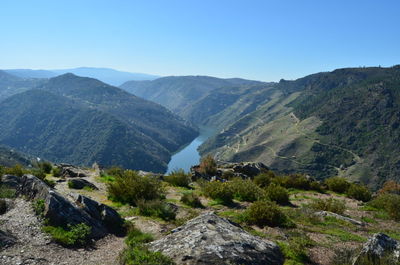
264 40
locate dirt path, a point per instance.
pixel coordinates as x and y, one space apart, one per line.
35 247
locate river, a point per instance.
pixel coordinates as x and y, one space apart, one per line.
189 156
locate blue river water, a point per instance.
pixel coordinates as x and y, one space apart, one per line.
189 156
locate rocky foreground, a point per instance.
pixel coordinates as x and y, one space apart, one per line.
197 236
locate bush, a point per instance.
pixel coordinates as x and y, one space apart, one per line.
16 170
390 186
208 166
277 194
45 166
131 187
178 178
190 199
3 206
56 172
245 190
265 213
220 191
390 203
264 179
114 171
136 252
330 205
156 208
39 173
39 207
316 185
73 236
296 181
337 184
359 192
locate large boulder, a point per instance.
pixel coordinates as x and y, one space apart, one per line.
250 169
79 183
59 211
379 249
70 171
210 239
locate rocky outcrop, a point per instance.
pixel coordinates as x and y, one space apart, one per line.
210 239
6 240
78 183
70 171
250 169
379 249
242 170
340 217
61 212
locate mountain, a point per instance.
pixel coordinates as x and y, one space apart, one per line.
106 75
29 73
11 84
10 157
63 130
82 120
194 98
343 122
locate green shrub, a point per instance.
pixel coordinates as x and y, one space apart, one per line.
219 191
296 181
156 208
228 175
39 207
56 172
114 171
73 236
45 166
264 179
136 252
316 185
295 250
245 190
265 213
277 194
389 203
3 206
16 170
6 192
359 192
337 184
39 173
130 187
192 200
330 205
208 166
178 178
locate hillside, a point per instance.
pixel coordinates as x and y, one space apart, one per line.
150 119
63 130
191 97
11 84
342 122
10 157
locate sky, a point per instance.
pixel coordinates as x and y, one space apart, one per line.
255 39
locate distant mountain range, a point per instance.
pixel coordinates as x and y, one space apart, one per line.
82 120
106 75
344 122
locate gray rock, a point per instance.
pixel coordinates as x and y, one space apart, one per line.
379 249
62 212
210 239
6 240
70 171
10 181
340 217
250 169
79 183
